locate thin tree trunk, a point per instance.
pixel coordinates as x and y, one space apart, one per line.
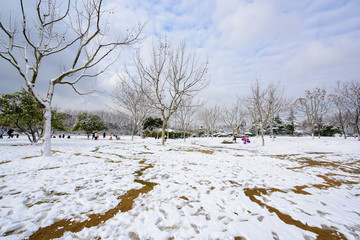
262 135
133 130
132 134
357 124
184 136
271 131
342 124
312 131
46 148
163 133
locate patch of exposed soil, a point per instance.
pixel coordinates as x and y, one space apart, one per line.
57 229
323 233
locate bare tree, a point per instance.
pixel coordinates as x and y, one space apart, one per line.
128 95
234 116
173 74
210 116
350 96
258 108
187 114
276 102
314 105
341 109
51 31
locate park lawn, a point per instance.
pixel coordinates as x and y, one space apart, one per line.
292 188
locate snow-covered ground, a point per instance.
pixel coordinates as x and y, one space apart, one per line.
293 188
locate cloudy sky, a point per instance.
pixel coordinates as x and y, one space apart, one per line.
304 44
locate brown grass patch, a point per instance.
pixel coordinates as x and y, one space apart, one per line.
332 183
5 162
284 156
323 233
352 167
299 190
113 161
206 151
30 157
185 198
118 155
57 229
50 168
56 151
96 149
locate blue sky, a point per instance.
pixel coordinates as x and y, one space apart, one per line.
303 44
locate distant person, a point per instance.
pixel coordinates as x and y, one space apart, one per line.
1 133
104 135
96 136
246 140
63 135
10 133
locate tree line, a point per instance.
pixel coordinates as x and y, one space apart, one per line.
322 112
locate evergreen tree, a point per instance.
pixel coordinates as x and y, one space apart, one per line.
151 123
20 111
290 125
279 128
89 123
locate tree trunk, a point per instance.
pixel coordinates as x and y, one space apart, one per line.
342 125
184 136
312 131
271 131
133 130
163 133
357 123
46 148
262 135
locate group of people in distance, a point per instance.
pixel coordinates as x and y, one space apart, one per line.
61 136
10 133
244 139
95 136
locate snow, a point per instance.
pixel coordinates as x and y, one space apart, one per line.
201 189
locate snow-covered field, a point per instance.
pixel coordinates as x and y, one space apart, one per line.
293 188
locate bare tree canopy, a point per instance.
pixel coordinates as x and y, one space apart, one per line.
234 116
276 102
172 74
128 96
187 113
258 107
51 30
211 116
314 105
347 101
